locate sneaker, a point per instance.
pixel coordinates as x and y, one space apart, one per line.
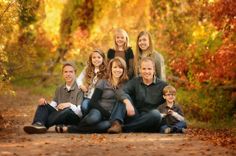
36 128
115 128
167 130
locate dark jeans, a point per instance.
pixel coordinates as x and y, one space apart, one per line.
140 122
93 122
176 128
49 116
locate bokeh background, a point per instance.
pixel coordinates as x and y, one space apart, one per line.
196 37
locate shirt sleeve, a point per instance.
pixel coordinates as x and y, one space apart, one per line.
80 78
130 53
76 109
160 66
178 116
53 104
110 54
126 91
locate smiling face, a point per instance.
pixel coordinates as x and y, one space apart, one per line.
143 42
117 70
169 97
97 59
147 71
68 74
120 39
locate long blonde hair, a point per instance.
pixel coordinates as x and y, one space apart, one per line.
139 52
123 32
121 63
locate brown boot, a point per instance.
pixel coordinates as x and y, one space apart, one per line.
115 128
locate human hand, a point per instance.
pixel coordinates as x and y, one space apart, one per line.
129 108
163 114
42 101
170 112
84 88
62 106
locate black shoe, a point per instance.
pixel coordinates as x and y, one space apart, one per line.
36 128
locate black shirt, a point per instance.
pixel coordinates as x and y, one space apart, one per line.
145 97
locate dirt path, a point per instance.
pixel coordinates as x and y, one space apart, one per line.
18 111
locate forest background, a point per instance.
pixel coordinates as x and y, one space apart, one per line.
196 37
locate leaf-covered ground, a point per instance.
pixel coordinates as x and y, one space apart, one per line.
18 111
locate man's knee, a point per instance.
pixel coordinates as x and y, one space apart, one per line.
155 114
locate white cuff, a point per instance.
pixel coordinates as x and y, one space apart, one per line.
53 104
76 109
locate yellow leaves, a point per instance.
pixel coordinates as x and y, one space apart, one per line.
53 10
214 34
199 32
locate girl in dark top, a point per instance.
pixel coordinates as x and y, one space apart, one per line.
123 50
103 100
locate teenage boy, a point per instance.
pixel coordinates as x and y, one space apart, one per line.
65 107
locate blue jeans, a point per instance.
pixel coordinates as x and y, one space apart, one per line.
176 128
140 122
49 116
85 106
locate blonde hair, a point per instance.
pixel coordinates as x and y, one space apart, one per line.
169 89
122 64
125 34
139 52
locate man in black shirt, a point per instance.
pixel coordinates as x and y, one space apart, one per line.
140 97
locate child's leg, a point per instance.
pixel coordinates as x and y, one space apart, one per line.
179 126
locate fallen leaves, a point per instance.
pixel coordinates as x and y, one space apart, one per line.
222 137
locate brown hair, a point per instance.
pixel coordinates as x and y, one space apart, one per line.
122 64
139 52
169 89
89 72
69 63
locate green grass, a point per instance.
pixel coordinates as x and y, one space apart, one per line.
46 89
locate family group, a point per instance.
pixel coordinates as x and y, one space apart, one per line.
116 92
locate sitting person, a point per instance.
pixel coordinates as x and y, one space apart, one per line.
139 99
172 114
88 78
103 100
65 107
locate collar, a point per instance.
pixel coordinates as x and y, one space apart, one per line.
72 87
165 105
153 82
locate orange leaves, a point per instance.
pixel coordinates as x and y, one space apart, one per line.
218 137
223 15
